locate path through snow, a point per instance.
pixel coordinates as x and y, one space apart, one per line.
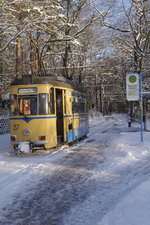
79 185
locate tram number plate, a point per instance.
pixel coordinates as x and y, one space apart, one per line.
16 126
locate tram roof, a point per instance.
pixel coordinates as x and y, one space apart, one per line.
54 80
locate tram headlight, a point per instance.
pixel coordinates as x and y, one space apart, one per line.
26 132
42 137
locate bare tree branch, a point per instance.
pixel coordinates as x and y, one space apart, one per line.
22 29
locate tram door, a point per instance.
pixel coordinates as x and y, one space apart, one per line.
59 114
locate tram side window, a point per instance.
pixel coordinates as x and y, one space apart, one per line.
74 103
51 103
43 104
80 103
85 108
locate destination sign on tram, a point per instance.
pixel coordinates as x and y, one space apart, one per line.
27 90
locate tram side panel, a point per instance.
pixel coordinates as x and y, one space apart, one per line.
81 127
77 117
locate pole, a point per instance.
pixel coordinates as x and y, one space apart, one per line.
141 106
144 113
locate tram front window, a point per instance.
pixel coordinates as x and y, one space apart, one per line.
13 105
27 105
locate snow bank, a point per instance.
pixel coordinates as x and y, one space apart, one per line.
134 209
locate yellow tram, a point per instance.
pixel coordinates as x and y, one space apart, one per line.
46 112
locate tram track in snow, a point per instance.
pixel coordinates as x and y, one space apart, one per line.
34 161
16 166
83 178
106 124
103 121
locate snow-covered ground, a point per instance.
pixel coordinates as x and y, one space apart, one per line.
102 180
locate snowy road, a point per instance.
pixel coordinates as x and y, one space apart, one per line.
76 186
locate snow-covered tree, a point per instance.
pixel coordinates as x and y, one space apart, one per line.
133 33
50 26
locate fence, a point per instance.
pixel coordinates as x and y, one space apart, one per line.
5 81
4 120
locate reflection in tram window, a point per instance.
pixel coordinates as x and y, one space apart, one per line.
27 105
43 104
13 105
79 103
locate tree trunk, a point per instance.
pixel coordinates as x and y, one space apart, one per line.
19 59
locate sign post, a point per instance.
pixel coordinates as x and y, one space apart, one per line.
134 92
141 106
132 86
